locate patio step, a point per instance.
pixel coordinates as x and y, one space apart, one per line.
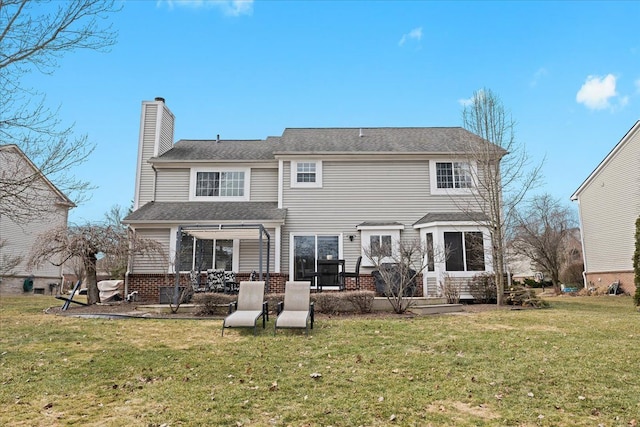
435 308
383 304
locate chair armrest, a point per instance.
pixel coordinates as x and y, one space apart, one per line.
233 306
312 309
280 307
265 309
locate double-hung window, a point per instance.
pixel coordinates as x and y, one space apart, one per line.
211 184
306 173
451 176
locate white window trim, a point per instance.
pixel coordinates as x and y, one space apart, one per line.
383 230
194 175
438 229
294 174
292 249
449 191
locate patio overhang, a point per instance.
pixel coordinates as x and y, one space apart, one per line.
227 231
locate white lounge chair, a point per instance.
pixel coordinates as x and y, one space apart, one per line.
249 307
297 311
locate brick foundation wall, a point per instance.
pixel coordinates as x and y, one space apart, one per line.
601 281
148 285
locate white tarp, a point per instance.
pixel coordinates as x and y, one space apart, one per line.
110 290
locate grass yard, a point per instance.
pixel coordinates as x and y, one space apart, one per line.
575 364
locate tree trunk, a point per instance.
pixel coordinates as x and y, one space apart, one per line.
93 295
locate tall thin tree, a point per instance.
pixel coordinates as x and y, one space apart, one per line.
503 172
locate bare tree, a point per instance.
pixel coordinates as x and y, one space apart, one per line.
8 261
397 267
87 242
33 36
502 175
544 232
116 263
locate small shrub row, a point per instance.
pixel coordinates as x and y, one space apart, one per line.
211 304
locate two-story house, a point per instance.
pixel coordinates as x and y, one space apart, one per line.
288 201
30 205
609 206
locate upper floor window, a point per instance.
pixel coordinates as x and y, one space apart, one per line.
451 176
306 174
219 184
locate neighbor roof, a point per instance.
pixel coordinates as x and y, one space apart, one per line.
423 140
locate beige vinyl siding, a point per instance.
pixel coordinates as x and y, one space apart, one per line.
166 131
148 143
20 239
250 254
264 185
153 263
172 185
609 206
357 191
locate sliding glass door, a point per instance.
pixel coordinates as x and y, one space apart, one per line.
307 249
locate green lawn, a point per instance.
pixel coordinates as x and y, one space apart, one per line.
575 364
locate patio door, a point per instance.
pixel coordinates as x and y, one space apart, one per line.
308 249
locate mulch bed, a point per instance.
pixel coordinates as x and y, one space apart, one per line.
130 309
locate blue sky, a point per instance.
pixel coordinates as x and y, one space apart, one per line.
568 72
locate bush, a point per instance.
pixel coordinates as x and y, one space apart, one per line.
636 265
450 290
362 301
482 288
327 302
571 274
211 303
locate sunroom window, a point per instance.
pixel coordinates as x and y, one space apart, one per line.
464 251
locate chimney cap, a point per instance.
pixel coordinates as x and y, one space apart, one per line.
159 98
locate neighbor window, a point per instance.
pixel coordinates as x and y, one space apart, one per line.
453 175
464 251
222 184
306 174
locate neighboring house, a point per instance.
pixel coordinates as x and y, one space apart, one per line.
25 190
300 197
609 205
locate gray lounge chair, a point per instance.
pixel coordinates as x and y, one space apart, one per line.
297 311
249 307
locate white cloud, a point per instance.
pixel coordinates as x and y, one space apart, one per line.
228 7
596 92
469 101
538 75
415 34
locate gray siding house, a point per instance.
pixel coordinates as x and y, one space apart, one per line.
316 193
42 207
609 205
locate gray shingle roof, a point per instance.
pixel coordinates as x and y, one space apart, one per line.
207 211
451 217
441 140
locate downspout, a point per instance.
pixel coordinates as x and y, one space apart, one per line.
155 179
